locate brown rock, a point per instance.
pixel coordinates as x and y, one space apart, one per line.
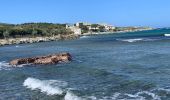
50 59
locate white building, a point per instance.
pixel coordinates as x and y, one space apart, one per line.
108 27
75 29
93 28
82 23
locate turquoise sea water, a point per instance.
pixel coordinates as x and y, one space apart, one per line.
125 66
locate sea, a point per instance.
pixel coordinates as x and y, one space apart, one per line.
122 66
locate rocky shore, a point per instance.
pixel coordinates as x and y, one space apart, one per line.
36 39
49 59
24 40
116 32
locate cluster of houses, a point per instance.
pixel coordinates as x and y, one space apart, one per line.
88 28
81 28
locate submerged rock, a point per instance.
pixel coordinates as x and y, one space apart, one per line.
50 59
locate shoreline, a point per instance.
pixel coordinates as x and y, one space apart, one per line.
25 40
98 33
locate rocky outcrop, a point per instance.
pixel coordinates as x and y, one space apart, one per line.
50 59
36 39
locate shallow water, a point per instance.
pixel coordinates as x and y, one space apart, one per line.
127 66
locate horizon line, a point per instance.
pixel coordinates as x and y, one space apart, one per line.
80 22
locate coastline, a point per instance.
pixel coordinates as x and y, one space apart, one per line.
98 33
24 40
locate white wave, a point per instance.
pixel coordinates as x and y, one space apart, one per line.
114 97
125 96
140 97
17 46
55 87
71 96
4 66
136 96
138 39
51 87
163 89
166 34
131 40
19 66
92 98
82 37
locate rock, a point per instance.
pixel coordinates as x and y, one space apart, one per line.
22 40
50 59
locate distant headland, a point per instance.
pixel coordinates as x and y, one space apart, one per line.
41 32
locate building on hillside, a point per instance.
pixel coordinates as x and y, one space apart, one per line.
82 24
93 28
108 27
75 29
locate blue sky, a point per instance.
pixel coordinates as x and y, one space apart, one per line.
154 13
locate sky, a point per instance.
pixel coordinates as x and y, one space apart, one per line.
155 13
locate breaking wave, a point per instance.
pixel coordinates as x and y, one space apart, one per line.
55 87
4 66
51 87
167 35
154 94
71 96
17 46
46 86
137 40
82 37
140 95
131 40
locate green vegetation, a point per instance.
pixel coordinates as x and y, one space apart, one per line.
32 30
131 28
84 29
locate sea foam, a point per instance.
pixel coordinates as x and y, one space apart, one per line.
71 96
139 95
51 87
82 37
126 96
167 35
131 40
4 66
56 87
138 39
